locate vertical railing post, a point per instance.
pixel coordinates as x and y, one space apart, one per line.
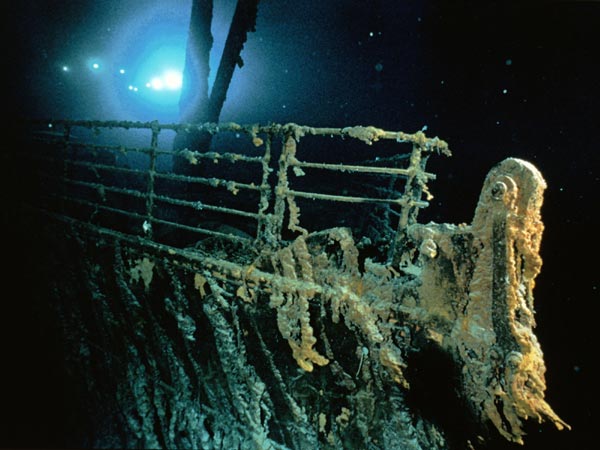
281 190
413 191
147 226
264 233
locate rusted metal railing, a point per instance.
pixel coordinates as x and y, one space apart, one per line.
98 173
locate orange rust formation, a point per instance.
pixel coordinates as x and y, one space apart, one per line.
268 318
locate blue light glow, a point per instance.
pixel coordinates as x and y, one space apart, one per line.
143 69
146 50
173 79
157 84
94 64
160 70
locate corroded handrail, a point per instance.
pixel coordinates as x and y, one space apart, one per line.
277 195
466 289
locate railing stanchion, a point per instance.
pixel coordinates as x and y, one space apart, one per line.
147 226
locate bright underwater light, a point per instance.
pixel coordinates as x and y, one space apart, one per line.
150 47
171 80
160 69
157 84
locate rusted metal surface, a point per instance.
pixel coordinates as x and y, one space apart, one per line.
320 252
93 166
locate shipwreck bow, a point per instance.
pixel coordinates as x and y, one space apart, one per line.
476 292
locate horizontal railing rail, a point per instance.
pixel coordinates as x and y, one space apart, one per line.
269 189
